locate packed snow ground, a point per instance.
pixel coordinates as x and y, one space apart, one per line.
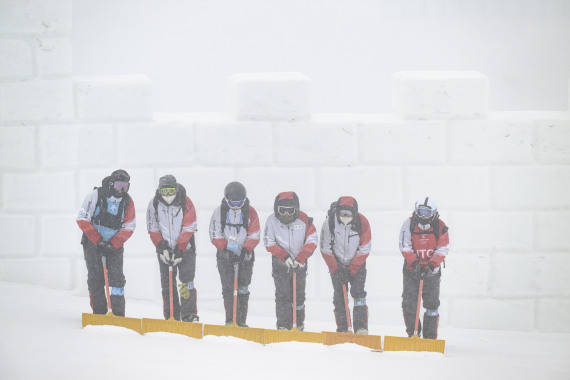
42 338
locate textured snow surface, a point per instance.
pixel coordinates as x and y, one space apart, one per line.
42 338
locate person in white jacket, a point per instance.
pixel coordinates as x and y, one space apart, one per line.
291 238
234 231
171 224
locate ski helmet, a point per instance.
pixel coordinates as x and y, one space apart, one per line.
286 207
167 188
234 195
425 210
118 183
347 209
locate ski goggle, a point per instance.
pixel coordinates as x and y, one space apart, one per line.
121 186
425 212
286 210
167 191
235 204
345 214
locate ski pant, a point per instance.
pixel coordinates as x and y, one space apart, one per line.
430 297
96 280
226 270
360 310
183 307
283 278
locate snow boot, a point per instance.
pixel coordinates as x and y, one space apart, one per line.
118 305
410 320
341 322
360 314
229 305
301 318
98 301
241 311
188 306
431 323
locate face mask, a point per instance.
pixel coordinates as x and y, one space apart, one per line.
168 198
345 219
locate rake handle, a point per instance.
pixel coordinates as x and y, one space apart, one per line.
295 299
170 293
419 305
236 268
106 277
346 308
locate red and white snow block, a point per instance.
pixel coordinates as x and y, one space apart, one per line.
123 97
440 94
270 96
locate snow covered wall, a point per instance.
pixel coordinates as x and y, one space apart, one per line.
501 180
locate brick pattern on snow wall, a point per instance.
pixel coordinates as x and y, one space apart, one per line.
500 179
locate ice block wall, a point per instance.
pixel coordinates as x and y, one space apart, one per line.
500 179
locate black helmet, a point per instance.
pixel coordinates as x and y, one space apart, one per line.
234 195
286 207
118 183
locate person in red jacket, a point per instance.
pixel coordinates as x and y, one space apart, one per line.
171 224
291 238
234 231
345 245
107 219
424 244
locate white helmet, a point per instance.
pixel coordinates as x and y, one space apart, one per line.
425 210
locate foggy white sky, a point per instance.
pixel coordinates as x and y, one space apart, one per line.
349 48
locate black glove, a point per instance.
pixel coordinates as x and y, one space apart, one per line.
161 246
341 274
105 247
176 256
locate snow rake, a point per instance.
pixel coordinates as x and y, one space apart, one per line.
171 325
331 338
246 333
293 335
414 343
110 319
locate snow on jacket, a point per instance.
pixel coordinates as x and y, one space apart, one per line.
423 242
175 224
346 246
297 239
234 230
90 209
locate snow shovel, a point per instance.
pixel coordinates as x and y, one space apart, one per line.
294 335
370 341
110 318
171 325
414 343
246 333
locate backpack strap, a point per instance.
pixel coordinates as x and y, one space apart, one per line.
224 208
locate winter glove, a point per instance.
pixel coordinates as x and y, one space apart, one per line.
289 263
435 261
233 246
183 290
161 246
176 256
246 255
411 259
340 275
105 247
298 264
166 256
